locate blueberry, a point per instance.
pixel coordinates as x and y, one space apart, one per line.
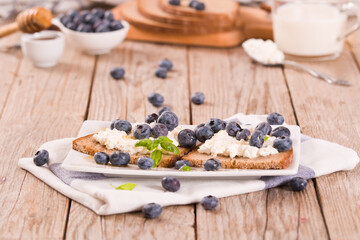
169 119
275 119
166 63
41 157
71 26
197 5
164 109
77 20
90 19
101 158
181 163
212 164
152 210
192 3
116 25
155 99
257 139
199 126
216 124
145 163
282 144
232 128
117 73
109 16
103 27
187 138
142 131
280 131
65 20
198 98
243 134
174 2
204 133
98 12
72 14
151 118
161 72
170 184
209 202
159 130
83 28
264 127
297 184
119 158
122 125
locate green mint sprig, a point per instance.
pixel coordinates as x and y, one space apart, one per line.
126 186
266 138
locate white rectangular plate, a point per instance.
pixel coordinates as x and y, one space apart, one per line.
77 161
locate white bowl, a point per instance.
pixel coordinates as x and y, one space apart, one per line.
94 43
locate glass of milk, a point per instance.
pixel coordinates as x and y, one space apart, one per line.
314 29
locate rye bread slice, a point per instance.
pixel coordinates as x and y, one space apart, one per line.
278 161
90 146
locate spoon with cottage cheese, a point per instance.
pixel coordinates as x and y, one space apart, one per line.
267 54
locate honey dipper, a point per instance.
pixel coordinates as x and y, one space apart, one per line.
29 21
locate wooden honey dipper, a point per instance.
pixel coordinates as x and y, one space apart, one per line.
29 21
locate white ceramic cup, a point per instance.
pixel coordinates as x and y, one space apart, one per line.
43 48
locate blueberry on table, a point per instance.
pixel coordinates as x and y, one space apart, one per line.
297 184
264 127
275 119
187 138
198 98
159 130
204 133
151 118
109 16
169 119
216 124
116 25
170 184
101 158
164 109
257 139
41 157
174 2
243 134
282 144
122 125
166 63
152 210
181 163
232 128
212 164
119 158
280 131
161 72
145 163
209 202
118 72
156 99
142 131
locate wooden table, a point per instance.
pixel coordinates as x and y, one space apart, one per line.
38 105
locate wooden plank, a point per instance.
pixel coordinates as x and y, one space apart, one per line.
40 107
128 99
331 112
228 78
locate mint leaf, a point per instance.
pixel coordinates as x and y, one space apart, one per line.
266 138
185 168
156 156
126 186
153 145
144 143
170 147
164 139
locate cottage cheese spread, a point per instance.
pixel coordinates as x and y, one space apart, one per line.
263 51
223 144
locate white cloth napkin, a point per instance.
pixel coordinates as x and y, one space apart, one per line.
93 190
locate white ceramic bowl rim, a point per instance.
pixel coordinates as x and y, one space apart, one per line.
26 37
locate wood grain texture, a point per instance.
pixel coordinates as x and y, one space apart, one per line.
40 102
244 87
331 112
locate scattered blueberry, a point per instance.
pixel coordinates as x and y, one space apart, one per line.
155 99
116 25
152 210
166 63
297 184
122 125
209 202
280 131
142 131
169 119
187 138
161 72
119 158
151 118
232 128
197 5
275 119
198 98
257 139
41 157
145 163
264 127
170 184
174 2
204 133
101 158
212 164
216 124
282 144
117 73
159 130
164 109
243 134
181 163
